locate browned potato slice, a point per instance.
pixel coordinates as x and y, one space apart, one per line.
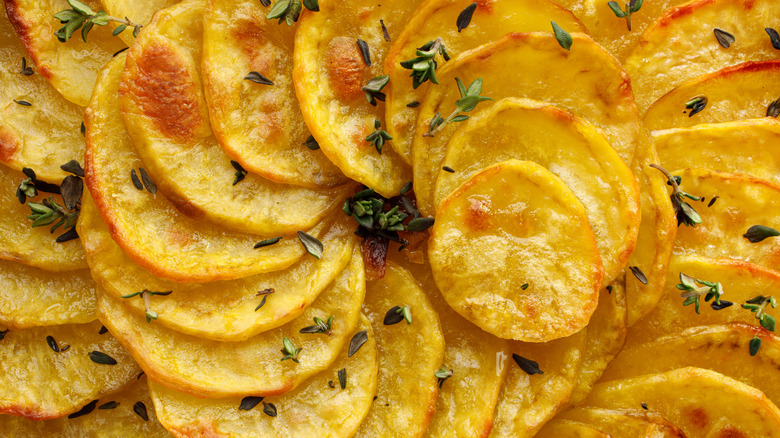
253 367
700 402
681 44
71 67
261 126
437 19
163 105
139 11
513 252
409 356
624 423
587 81
319 408
569 429
568 147
38 383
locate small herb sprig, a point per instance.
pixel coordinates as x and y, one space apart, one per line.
289 351
320 326
378 138
375 213
626 13
443 374
423 65
758 306
685 213
288 11
693 292
81 16
469 98
145 294
373 89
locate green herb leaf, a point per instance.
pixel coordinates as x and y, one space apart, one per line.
247 403
420 224
755 345
267 242
240 172
464 18
135 180
312 5
563 37
27 71
530 367
269 409
109 405
696 105
364 51
638 274
140 409
373 89
393 316
443 374
313 246
616 9
774 37
289 351
258 78
342 373
357 341
265 293
724 38
320 326
102 358
758 233
311 143
88 408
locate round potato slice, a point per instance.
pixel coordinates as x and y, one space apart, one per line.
70 67
625 422
260 125
531 65
165 111
409 357
318 408
569 148
39 383
329 72
253 367
513 252
437 19
569 429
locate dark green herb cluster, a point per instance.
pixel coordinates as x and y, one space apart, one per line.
696 105
48 211
397 314
693 293
320 326
469 98
385 217
758 306
378 137
423 65
685 213
630 8
81 16
288 11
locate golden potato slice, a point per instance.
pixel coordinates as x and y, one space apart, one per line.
491 248
116 416
569 148
681 44
163 105
531 65
70 67
169 245
624 423
437 19
39 383
261 126
318 408
44 135
253 367
409 357
712 405
329 72
569 429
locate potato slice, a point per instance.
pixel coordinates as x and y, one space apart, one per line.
531 65
38 383
318 408
169 245
260 125
163 105
409 356
568 147
681 45
329 72
437 19
624 423
714 405
496 233
569 429
70 67
253 367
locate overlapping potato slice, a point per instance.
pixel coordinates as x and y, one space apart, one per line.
261 126
738 92
409 356
567 146
38 383
569 429
71 67
320 407
513 252
107 420
253 367
587 81
713 404
624 423
329 72
437 19
169 244
681 45
163 106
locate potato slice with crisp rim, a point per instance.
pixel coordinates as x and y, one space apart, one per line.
260 125
208 368
437 19
569 429
38 383
319 407
165 111
513 252
568 147
531 65
139 11
624 423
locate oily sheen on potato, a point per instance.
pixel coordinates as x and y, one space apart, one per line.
624 422
138 11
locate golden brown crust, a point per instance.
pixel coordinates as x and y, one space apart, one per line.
346 68
24 31
9 144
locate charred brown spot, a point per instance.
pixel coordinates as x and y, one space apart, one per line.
485 6
478 214
699 418
346 68
375 256
9 144
185 207
730 431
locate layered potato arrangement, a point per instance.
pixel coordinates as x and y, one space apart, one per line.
428 218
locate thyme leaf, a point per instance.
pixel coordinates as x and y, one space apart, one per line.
81 16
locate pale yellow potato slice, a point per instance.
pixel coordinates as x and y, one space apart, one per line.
567 146
261 126
681 44
70 67
624 423
329 72
253 367
737 92
513 252
38 383
318 408
409 356
437 19
700 402
587 81
138 11
165 111
569 429
169 244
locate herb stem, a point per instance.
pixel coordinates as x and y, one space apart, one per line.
438 128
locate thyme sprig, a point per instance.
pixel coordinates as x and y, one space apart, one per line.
626 13
758 306
378 137
320 326
145 294
423 65
289 351
81 16
469 98
373 89
50 212
443 374
693 292
685 213
288 11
